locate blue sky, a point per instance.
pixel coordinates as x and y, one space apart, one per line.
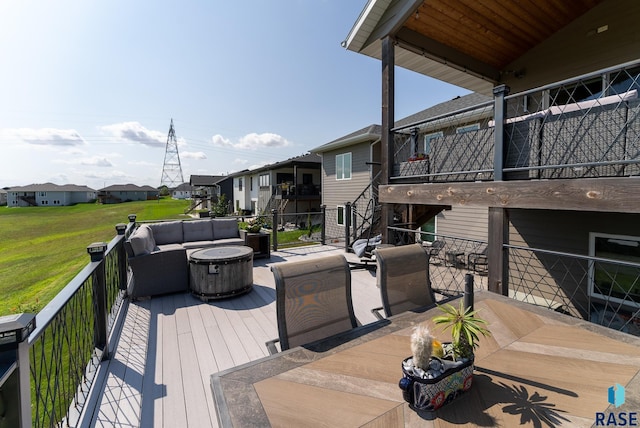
89 88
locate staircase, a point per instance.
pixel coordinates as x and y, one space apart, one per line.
366 211
30 200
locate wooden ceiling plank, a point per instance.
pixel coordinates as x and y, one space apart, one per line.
518 21
444 29
495 30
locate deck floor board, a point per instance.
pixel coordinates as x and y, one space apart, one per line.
170 345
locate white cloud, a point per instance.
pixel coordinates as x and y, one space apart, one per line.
240 161
134 131
45 136
143 163
252 141
91 161
193 155
220 141
258 141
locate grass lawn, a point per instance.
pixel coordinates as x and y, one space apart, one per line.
43 248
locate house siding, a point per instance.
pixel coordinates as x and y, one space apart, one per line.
561 231
566 49
337 192
471 221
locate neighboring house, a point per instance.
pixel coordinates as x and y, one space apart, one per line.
290 186
3 196
118 193
351 167
182 191
211 187
556 166
49 194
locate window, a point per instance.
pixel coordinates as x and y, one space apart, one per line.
615 282
427 141
240 184
264 180
343 166
251 183
468 128
340 215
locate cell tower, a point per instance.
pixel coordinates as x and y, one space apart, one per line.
171 170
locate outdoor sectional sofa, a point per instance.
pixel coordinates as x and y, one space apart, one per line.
158 253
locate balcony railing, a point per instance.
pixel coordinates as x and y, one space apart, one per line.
588 126
71 338
596 289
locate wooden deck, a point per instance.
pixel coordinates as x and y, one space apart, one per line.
169 346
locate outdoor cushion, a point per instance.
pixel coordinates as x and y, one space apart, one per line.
142 241
225 228
169 232
197 230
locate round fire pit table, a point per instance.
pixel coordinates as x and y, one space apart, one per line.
215 273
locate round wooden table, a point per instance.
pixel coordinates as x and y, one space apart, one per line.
220 272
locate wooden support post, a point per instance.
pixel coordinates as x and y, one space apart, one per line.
388 94
498 269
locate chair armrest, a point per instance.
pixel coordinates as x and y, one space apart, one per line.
377 312
271 346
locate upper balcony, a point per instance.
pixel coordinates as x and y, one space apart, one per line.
586 127
296 191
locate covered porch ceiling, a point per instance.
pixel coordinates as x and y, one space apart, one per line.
467 43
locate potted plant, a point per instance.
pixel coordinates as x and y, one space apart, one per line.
437 372
254 225
417 157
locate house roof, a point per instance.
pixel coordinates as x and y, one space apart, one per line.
309 160
373 132
368 133
206 180
50 187
184 187
128 188
467 44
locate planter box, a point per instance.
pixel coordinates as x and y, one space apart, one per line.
431 394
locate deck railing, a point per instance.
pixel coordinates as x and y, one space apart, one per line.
588 126
600 290
70 339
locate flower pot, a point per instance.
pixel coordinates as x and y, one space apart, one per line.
431 394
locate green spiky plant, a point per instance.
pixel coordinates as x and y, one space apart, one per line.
466 328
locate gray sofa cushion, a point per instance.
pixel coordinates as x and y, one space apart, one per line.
225 228
169 232
142 241
197 230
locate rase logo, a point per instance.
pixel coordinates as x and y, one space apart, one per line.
620 419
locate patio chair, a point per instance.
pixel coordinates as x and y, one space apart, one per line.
403 279
434 250
478 262
313 300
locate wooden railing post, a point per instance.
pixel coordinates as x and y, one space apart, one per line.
96 252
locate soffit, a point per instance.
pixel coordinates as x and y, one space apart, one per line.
448 39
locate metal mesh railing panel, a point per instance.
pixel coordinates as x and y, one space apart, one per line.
60 377
594 289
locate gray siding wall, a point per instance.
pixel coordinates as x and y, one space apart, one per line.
564 54
464 222
562 231
337 192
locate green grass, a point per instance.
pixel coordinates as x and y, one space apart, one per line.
43 248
